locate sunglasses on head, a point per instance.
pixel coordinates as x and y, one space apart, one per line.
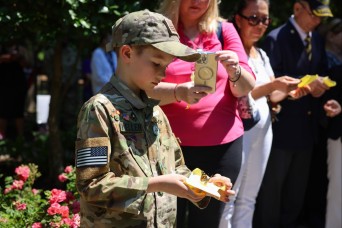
254 20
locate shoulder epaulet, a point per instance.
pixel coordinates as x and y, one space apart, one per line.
111 111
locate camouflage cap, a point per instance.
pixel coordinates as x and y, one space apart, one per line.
145 27
320 8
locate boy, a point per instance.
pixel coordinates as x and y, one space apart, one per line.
130 168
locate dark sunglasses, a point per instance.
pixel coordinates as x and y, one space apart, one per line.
254 20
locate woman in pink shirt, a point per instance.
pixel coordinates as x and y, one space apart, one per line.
208 125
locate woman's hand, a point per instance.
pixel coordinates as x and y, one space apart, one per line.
190 93
300 92
285 84
229 60
221 181
174 184
241 81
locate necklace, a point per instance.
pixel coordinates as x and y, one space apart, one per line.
253 65
252 58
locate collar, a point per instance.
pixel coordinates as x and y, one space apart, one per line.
138 102
300 31
203 40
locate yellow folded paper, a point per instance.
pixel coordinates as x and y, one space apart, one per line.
307 79
328 82
198 180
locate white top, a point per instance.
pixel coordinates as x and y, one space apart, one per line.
256 149
263 72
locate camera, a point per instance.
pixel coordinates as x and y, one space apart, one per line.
205 70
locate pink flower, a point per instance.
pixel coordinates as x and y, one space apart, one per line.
76 221
53 209
7 190
37 225
67 221
76 207
57 196
56 208
62 177
64 211
17 184
35 191
69 197
68 169
55 224
20 206
23 172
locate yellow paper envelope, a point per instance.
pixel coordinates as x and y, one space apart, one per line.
328 82
210 189
307 79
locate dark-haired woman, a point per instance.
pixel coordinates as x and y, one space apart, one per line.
251 21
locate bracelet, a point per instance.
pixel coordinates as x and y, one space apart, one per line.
237 74
174 93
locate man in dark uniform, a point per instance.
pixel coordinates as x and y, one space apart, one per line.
296 50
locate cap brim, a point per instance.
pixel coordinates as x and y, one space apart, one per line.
323 12
178 50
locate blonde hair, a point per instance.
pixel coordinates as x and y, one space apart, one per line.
208 23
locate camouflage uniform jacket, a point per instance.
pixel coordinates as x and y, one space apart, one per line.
123 140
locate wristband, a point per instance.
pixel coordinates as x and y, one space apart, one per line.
237 75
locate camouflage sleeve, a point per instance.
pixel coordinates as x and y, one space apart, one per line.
180 166
95 181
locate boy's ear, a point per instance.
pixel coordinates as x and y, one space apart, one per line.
126 53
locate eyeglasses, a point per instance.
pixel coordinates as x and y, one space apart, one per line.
254 20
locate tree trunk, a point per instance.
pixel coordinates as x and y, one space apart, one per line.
56 147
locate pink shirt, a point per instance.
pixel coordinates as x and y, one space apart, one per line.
214 120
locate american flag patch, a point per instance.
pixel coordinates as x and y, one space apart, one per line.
92 156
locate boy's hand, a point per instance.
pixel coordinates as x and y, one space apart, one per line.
226 185
174 184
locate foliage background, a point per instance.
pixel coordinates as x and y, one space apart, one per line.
51 28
